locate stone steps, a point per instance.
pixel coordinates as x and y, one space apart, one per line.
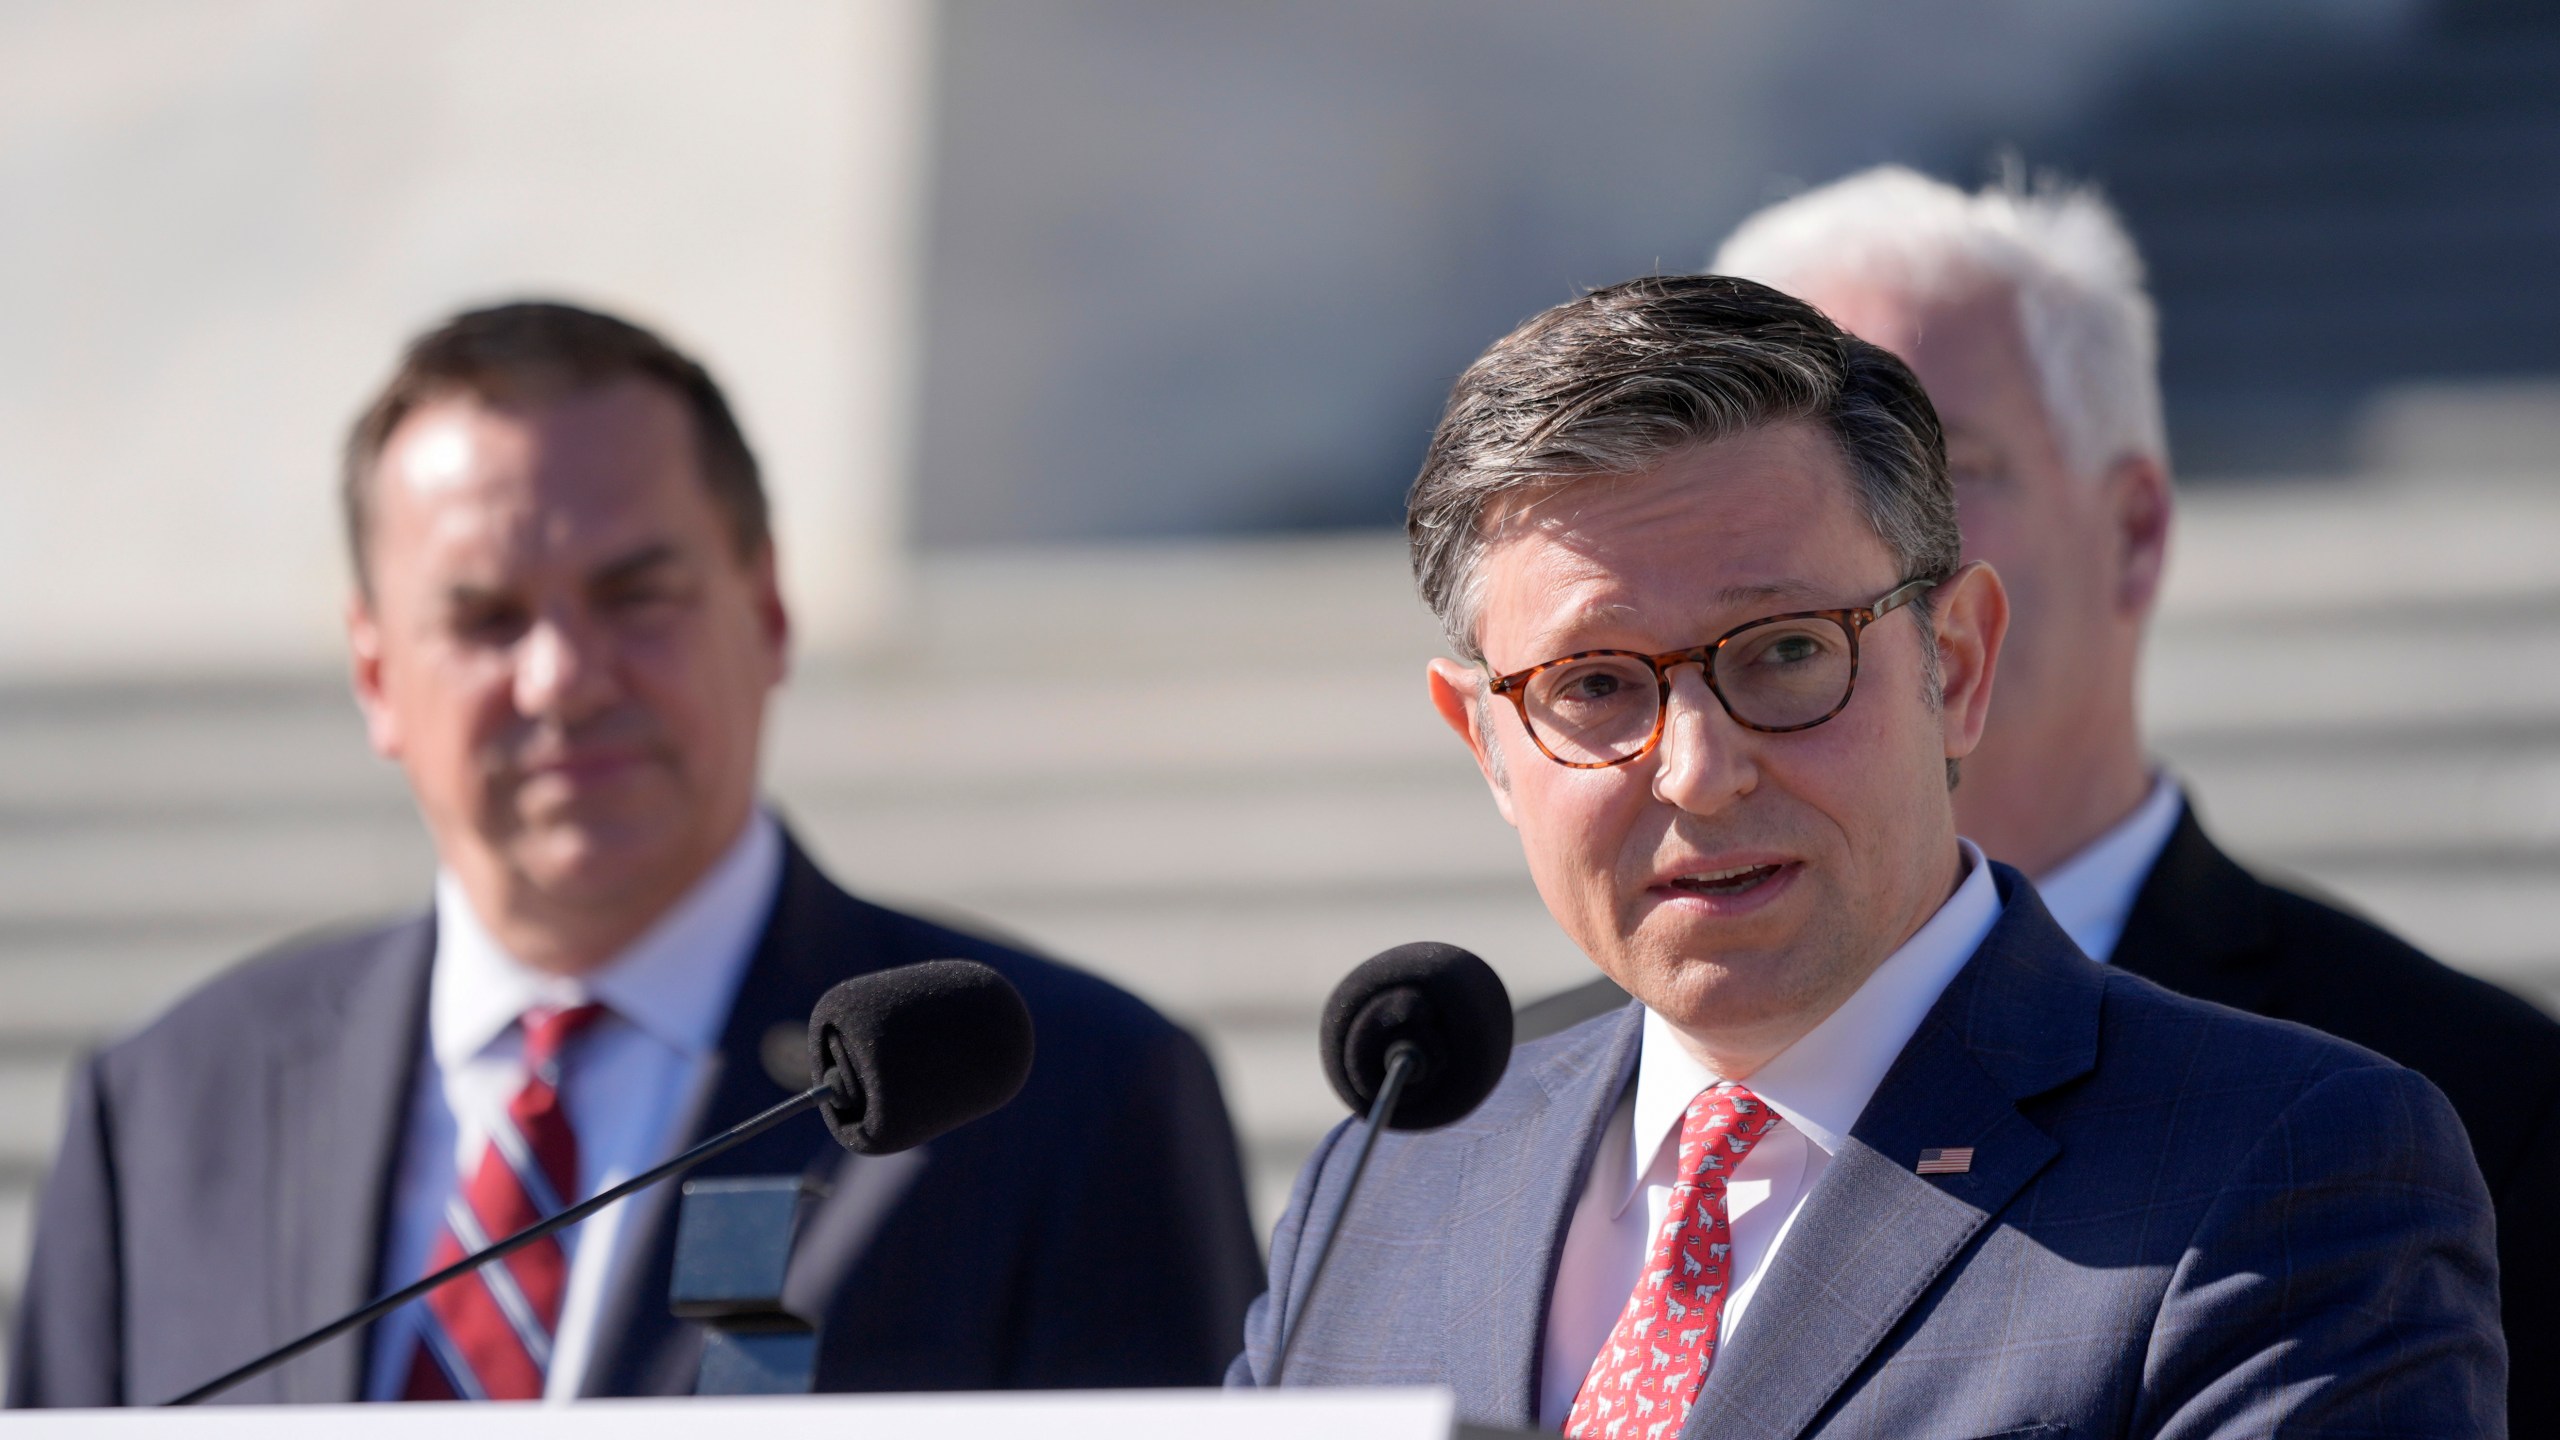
2322 217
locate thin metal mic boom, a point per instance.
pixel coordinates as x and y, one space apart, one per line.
1403 1058
735 1135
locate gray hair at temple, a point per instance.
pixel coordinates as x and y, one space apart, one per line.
2091 334
1618 381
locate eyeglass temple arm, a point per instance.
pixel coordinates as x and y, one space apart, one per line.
1905 593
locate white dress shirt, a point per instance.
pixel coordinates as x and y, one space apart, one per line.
1817 1086
2091 894
629 1081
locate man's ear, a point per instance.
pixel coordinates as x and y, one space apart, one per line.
2140 504
772 616
364 671
1457 692
1971 612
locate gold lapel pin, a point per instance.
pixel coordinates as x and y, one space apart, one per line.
1954 1160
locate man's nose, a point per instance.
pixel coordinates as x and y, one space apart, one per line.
1702 762
562 672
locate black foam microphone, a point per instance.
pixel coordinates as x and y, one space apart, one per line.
1416 1037
909 1053
901 1056
1442 1001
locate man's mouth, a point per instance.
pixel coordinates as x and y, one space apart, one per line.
1740 880
582 768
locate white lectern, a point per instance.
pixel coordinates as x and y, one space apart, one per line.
1058 1415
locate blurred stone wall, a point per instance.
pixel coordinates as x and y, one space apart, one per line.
1200 269
218 222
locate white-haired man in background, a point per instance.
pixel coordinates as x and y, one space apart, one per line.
2024 314
2025 318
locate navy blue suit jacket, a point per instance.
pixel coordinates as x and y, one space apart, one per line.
226 1175
2181 1220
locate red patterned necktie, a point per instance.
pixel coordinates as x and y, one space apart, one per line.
487 1336
1645 1379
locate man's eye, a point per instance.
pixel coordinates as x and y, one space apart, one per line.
642 599
1977 477
1588 687
493 624
1792 649
1596 685
1786 650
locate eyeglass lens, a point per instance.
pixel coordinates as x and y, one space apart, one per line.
1773 676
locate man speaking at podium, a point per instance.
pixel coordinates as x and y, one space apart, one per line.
2024 314
1881 1153
565 627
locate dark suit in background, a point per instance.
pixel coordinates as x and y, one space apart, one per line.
226 1179
2179 1220
2203 926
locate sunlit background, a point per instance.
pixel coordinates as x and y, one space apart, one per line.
1090 345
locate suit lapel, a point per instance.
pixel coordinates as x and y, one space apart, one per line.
1871 1240
813 939
341 1108
1516 1203
2019 1020
2199 924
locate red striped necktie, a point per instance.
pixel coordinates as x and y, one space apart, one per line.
488 1335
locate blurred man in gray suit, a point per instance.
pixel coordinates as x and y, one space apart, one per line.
2024 315
1881 1152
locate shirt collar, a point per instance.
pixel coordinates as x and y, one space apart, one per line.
2091 894
674 983
1822 1082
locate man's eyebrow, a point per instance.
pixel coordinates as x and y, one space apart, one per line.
637 563
464 595
1770 590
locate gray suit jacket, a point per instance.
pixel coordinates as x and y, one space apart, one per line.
2181 1221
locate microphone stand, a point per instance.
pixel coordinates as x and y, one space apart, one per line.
735 1135
1403 1059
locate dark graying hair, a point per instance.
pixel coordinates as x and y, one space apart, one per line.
1616 382
537 350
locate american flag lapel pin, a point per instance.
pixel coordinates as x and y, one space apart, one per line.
1954 1160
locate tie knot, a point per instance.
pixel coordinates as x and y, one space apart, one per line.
549 1028
1718 1128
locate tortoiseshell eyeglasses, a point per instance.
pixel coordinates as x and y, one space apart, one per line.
1775 674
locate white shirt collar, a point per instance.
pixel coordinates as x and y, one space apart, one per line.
2091 894
1822 1082
675 982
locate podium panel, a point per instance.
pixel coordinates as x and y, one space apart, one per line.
1382 1414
